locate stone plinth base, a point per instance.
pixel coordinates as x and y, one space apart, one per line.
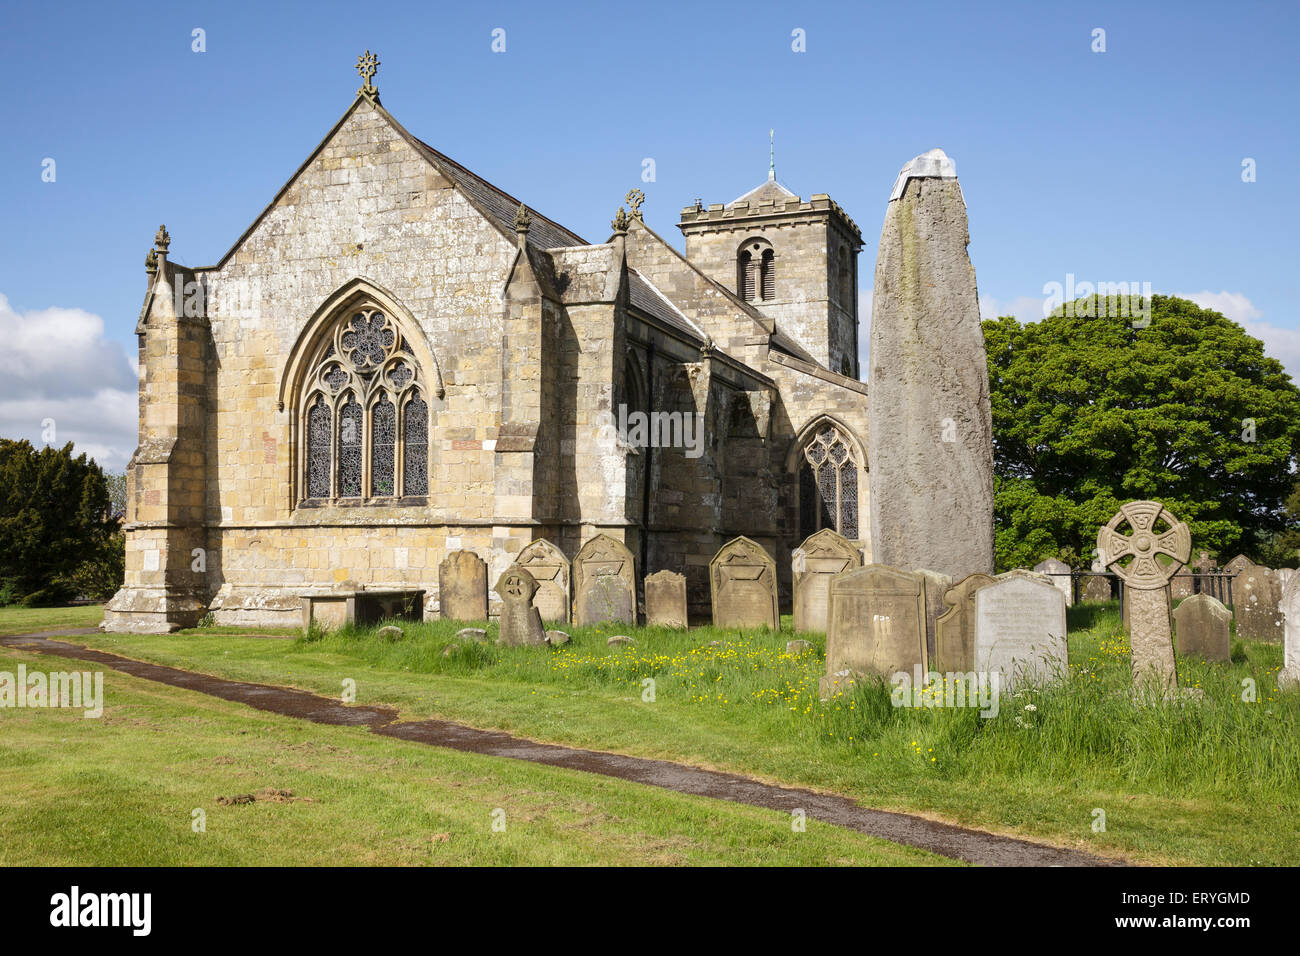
152 611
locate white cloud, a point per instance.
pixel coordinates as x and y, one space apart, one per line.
1026 308
1234 305
58 365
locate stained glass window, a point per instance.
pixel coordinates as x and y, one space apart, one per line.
828 485
415 463
365 364
350 439
383 444
318 449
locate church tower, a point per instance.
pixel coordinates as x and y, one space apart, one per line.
795 261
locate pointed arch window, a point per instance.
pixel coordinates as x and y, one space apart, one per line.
756 270
828 484
365 418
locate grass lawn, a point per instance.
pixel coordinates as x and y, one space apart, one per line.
1215 781
21 620
122 790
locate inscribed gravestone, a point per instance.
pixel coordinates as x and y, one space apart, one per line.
665 599
1238 564
1180 586
604 583
1256 596
462 587
821 557
520 623
936 585
876 623
550 569
1059 572
1201 627
1096 588
954 631
743 580
1289 676
1020 630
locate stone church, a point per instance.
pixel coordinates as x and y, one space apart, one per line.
399 359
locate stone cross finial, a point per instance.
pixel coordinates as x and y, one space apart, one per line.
162 240
620 221
367 66
151 262
634 199
523 221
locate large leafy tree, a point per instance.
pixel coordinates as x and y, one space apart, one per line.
1091 410
55 515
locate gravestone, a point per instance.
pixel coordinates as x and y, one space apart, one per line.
1201 627
604 583
1289 676
875 624
665 599
1146 593
1096 588
1180 586
550 569
936 585
1059 572
929 425
742 577
520 623
1020 631
1238 564
462 587
1256 596
822 556
954 631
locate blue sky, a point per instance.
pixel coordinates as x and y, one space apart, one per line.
1117 166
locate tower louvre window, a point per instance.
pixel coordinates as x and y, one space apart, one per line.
769 275
747 276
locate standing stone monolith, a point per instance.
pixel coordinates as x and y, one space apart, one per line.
1201 628
462 587
520 622
930 428
1158 547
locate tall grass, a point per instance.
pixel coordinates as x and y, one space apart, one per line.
1086 727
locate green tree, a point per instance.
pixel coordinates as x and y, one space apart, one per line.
55 515
1091 410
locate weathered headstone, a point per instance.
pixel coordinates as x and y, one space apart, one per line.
936 585
520 622
462 587
1289 675
1020 631
1146 578
876 624
929 424
743 580
954 631
550 569
1256 595
604 583
1201 627
1096 588
822 556
665 599
1059 572
1238 564
1180 586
